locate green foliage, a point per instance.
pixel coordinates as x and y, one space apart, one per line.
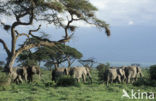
53 5
50 84
153 72
3 77
145 82
66 81
46 91
2 63
27 58
58 54
83 9
51 55
81 5
102 71
4 81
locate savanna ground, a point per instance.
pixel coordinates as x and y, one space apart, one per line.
44 90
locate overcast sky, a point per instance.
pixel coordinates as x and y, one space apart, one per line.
127 12
133 28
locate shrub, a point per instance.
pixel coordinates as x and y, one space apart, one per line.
153 72
66 81
145 82
1 68
4 79
102 70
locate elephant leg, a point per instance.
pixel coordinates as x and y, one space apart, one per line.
31 78
119 79
122 79
20 79
84 78
128 78
135 79
108 79
78 80
90 79
111 80
25 77
16 80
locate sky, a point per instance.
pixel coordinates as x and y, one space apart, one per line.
132 40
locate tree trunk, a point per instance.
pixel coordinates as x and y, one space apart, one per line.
10 63
69 62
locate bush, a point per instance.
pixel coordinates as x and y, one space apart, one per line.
1 68
145 82
102 71
153 72
4 79
66 81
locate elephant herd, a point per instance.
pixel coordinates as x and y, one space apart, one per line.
127 74
75 72
18 74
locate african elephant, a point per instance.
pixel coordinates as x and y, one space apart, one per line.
132 73
80 72
139 72
115 74
14 76
121 72
22 71
31 70
58 72
112 75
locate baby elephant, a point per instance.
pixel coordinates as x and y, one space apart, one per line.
80 72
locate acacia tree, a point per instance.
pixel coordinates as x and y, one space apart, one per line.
88 62
52 56
27 58
60 13
60 54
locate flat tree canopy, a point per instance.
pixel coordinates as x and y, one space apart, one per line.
59 13
51 56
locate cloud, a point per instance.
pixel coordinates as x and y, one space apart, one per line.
120 12
130 23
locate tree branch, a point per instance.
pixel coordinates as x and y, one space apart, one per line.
22 34
17 23
29 46
30 32
5 47
67 26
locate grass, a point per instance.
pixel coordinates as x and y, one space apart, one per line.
38 91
